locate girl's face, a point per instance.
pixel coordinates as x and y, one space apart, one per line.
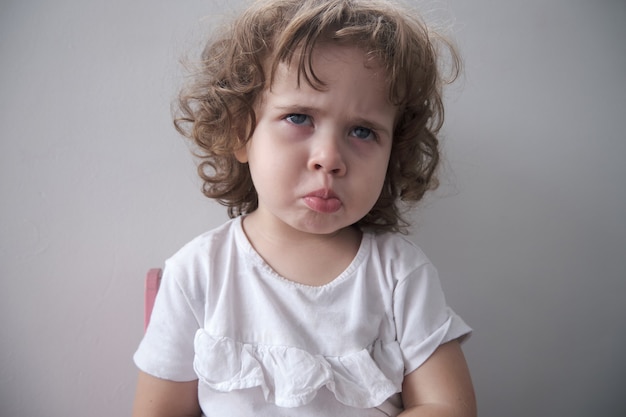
318 159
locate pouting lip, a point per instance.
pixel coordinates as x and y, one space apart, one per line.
323 201
324 193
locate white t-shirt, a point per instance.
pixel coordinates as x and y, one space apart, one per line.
262 345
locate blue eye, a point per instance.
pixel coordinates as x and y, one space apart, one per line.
363 133
297 119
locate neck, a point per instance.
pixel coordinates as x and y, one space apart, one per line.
307 258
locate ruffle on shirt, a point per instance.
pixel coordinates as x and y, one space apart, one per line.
291 377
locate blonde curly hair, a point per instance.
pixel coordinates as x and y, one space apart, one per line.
216 110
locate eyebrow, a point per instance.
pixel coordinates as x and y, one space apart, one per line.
296 108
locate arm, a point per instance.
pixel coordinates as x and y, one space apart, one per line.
162 398
441 386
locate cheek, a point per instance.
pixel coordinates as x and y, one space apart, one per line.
271 169
372 179
381 174
378 169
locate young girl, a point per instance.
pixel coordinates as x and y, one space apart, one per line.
313 120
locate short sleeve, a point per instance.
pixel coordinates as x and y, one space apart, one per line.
167 348
423 319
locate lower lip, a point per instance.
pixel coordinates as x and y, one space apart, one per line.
323 205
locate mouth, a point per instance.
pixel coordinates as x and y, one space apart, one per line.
323 201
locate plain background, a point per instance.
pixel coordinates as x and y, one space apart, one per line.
528 229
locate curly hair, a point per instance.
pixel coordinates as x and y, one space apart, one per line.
216 110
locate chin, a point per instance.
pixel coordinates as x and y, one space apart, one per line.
322 225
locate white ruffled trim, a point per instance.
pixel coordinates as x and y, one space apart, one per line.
291 377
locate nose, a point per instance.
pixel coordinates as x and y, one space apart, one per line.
327 157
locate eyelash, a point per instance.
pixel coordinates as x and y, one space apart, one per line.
371 135
290 117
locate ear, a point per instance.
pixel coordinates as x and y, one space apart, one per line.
241 154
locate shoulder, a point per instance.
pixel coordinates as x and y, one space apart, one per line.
398 244
208 244
397 254
204 256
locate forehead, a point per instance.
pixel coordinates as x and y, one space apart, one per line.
319 65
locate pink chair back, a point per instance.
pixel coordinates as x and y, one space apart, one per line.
153 280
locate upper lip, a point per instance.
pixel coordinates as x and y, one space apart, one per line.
324 193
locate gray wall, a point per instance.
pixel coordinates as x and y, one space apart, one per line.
527 230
